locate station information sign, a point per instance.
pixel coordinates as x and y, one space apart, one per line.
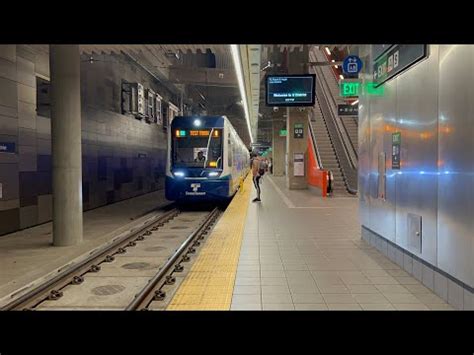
347 110
395 60
298 130
396 142
290 90
7 147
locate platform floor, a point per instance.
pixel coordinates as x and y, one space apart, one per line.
27 255
302 252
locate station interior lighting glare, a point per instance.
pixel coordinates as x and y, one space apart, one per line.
327 50
240 78
355 102
341 76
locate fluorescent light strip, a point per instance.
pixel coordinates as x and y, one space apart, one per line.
355 102
240 78
327 51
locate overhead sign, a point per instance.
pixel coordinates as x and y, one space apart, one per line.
298 130
349 88
7 147
352 64
347 110
396 142
395 60
290 90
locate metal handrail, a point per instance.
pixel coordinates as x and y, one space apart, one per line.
315 146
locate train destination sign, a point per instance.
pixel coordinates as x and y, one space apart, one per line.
290 90
395 60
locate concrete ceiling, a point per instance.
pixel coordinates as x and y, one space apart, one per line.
212 89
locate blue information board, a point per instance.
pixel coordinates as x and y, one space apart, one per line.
352 64
7 147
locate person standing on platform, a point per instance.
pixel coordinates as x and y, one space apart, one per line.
330 183
258 169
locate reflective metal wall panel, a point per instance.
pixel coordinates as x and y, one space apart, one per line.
383 111
417 180
432 105
456 154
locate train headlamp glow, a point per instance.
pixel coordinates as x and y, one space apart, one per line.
213 173
179 174
197 122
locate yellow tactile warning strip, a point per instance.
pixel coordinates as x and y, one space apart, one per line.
210 282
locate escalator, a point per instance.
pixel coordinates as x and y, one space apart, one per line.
335 138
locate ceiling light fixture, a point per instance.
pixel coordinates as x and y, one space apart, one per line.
355 102
240 78
327 51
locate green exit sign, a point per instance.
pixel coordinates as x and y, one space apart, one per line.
349 89
283 132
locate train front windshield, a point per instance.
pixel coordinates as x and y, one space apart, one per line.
197 148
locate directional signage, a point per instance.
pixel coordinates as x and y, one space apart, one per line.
298 133
396 142
395 60
352 64
7 147
349 87
347 110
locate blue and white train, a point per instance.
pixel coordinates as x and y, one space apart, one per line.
206 159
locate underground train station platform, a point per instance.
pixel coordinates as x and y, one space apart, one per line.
298 251
294 250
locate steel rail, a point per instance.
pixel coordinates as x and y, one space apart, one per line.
149 293
51 289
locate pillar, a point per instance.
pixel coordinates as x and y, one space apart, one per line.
278 142
66 144
297 118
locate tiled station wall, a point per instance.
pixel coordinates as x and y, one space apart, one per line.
122 156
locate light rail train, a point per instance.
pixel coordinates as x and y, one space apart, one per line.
206 159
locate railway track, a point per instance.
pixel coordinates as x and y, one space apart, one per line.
116 276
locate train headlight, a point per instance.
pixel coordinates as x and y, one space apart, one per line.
179 174
197 122
213 173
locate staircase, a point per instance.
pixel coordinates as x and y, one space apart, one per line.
326 151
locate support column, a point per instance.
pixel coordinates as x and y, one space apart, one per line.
278 142
66 144
297 147
297 118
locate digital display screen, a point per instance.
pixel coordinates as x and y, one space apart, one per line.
197 133
290 90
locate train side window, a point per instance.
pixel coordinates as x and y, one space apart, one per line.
229 151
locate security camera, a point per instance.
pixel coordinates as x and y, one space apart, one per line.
275 109
301 109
